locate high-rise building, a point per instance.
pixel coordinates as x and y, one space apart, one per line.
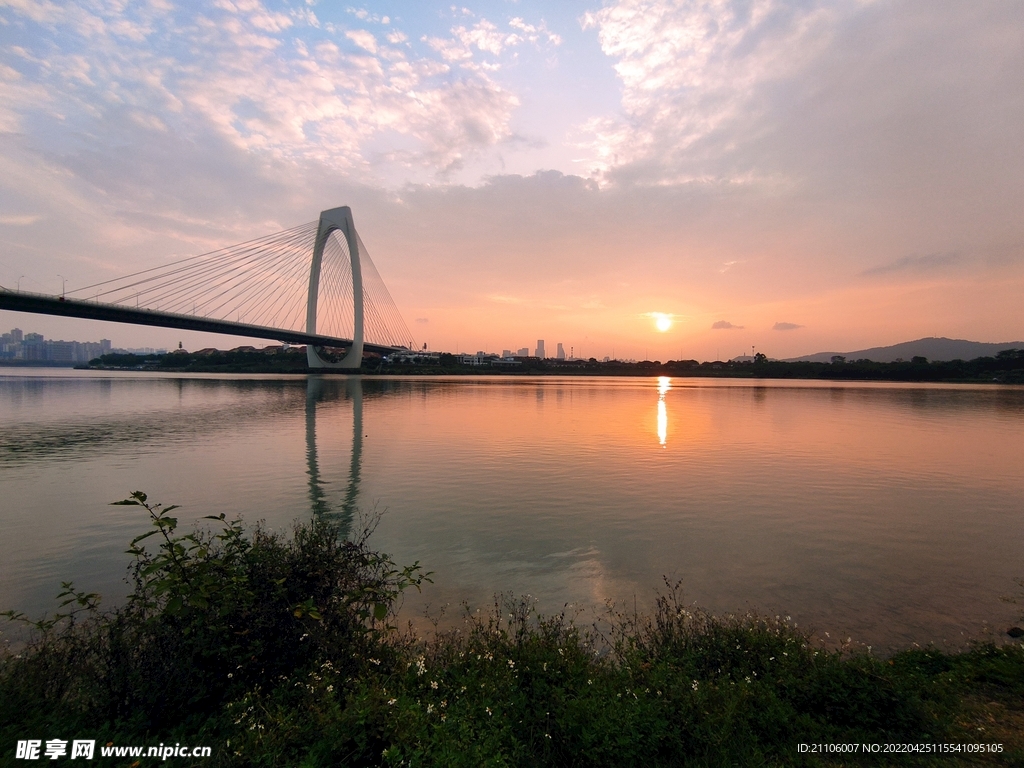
523 352
63 351
506 353
33 346
540 348
560 354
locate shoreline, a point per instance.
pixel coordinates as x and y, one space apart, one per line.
1006 368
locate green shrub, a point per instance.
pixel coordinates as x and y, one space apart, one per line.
211 615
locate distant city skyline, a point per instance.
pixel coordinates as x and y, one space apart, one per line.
21 346
634 177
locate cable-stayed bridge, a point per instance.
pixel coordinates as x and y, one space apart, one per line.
313 284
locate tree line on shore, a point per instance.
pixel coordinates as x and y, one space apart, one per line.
1006 367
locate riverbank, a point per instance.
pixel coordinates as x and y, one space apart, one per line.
36 364
1006 368
283 650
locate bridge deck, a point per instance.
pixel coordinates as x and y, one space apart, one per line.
20 301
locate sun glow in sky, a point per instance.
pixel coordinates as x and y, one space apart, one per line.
797 175
662 321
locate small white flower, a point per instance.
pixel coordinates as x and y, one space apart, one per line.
488 710
391 701
433 684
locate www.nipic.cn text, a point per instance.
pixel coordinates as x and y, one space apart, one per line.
53 749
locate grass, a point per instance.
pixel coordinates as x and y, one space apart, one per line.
283 651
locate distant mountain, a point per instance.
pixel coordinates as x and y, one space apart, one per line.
932 348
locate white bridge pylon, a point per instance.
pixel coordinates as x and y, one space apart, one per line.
340 220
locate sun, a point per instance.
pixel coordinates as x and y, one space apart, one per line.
662 321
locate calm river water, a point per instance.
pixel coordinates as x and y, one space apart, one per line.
888 513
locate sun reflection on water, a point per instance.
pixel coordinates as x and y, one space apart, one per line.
664 385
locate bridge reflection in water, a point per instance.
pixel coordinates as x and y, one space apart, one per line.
117 416
318 390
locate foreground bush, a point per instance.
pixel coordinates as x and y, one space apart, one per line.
282 651
211 616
